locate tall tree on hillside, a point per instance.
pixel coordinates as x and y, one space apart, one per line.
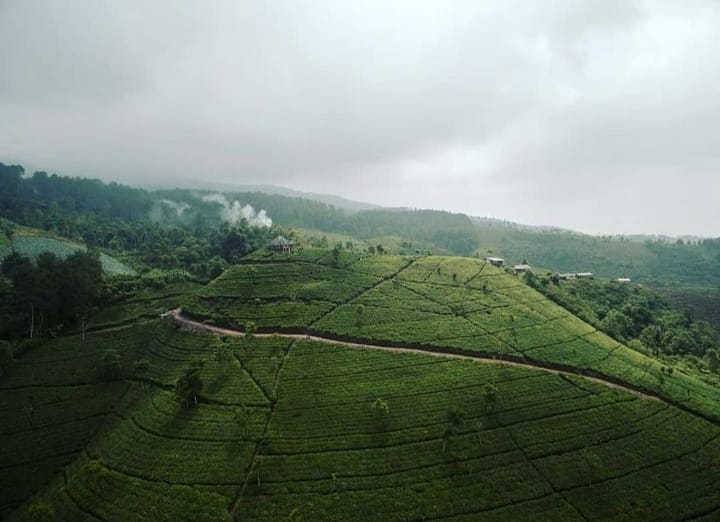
82 283
10 179
21 272
189 385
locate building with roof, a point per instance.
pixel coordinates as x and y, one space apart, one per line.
281 244
495 261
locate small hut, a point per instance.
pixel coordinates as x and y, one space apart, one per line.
280 244
495 261
523 268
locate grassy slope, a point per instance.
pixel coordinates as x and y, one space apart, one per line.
446 303
286 430
291 427
31 242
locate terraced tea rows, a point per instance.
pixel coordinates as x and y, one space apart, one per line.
450 303
290 295
28 242
291 429
52 405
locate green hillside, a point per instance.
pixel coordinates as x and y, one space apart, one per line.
451 304
287 430
31 242
688 272
292 428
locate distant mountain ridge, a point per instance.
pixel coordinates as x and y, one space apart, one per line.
338 202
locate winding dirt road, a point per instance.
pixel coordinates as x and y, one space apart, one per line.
191 324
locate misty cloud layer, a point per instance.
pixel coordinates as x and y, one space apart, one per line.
600 116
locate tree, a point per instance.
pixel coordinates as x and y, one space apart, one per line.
713 360
336 255
381 410
82 283
21 273
223 357
359 315
95 473
490 392
216 266
39 512
616 324
189 385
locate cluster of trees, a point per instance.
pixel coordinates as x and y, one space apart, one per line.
633 315
122 218
42 199
41 297
454 233
117 218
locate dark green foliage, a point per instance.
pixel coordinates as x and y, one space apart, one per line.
490 393
713 361
331 445
689 272
189 385
629 312
50 293
39 512
381 410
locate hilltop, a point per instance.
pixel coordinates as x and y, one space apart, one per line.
507 407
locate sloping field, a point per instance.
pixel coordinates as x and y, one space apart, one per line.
296 429
31 242
293 430
457 305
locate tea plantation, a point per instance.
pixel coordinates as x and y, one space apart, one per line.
287 428
31 243
449 304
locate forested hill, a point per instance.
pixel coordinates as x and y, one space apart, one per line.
91 210
95 212
659 263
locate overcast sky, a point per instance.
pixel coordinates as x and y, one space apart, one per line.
600 116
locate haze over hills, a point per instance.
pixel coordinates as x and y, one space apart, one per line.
296 390
461 370
268 292
336 201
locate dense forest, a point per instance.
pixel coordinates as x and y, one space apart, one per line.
39 298
192 231
633 315
121 218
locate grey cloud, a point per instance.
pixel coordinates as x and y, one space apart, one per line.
482 107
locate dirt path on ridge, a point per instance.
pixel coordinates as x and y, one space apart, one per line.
191 324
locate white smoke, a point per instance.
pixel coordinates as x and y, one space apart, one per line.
233 213
179 208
